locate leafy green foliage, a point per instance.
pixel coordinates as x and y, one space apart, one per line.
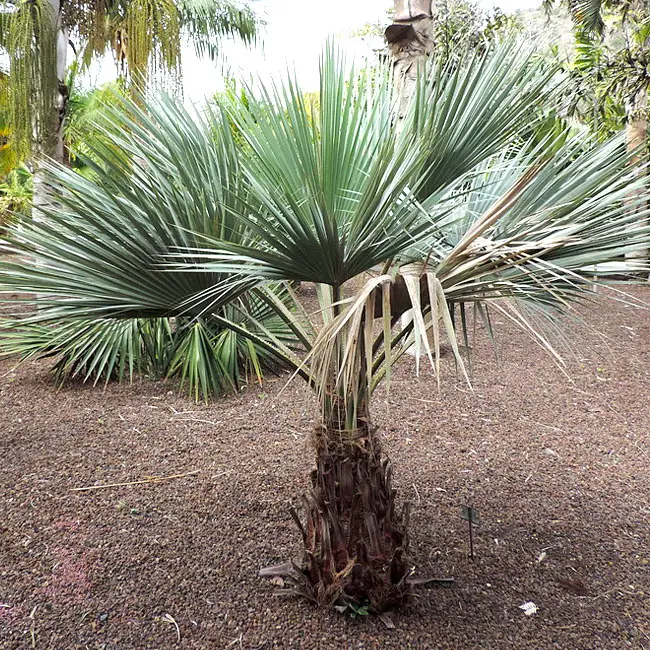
586 13
15 195
89 120
8 157
460 27
610 71
193 346
15 180
206 23
145 36
590 16
606 82
206 358
454 209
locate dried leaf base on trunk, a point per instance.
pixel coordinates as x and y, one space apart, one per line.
355 543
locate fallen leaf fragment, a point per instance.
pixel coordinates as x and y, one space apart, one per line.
529 608
276 570
168 618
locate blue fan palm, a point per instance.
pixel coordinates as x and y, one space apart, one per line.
380 222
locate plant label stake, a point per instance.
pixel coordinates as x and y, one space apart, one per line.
471 516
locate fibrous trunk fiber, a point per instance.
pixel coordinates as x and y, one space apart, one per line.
355 542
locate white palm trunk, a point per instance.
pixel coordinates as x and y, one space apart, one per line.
637 136
51 144
410 42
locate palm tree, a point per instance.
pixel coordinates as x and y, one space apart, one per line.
144 35
454 210
627 71
205 357
410 43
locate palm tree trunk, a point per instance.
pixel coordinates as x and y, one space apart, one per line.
51 144
410 42
637 136
355 542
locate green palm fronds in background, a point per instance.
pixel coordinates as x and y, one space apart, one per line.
200 352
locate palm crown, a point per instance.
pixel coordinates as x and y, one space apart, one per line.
145 37
464 203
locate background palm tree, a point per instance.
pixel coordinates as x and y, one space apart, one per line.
144 35
410 42
206 358
634 17
626 74
456 209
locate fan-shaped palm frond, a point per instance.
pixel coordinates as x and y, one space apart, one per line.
340 195
206 357
189 221
135 214
473 103
87 349
130 244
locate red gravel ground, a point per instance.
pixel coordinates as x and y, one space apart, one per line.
557 468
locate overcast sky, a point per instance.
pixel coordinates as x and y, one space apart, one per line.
294 38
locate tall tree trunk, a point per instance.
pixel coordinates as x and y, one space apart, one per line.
637 137
410 42
51 144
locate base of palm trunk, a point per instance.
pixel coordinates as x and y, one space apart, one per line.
355 543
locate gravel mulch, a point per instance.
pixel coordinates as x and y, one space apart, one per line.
556 467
